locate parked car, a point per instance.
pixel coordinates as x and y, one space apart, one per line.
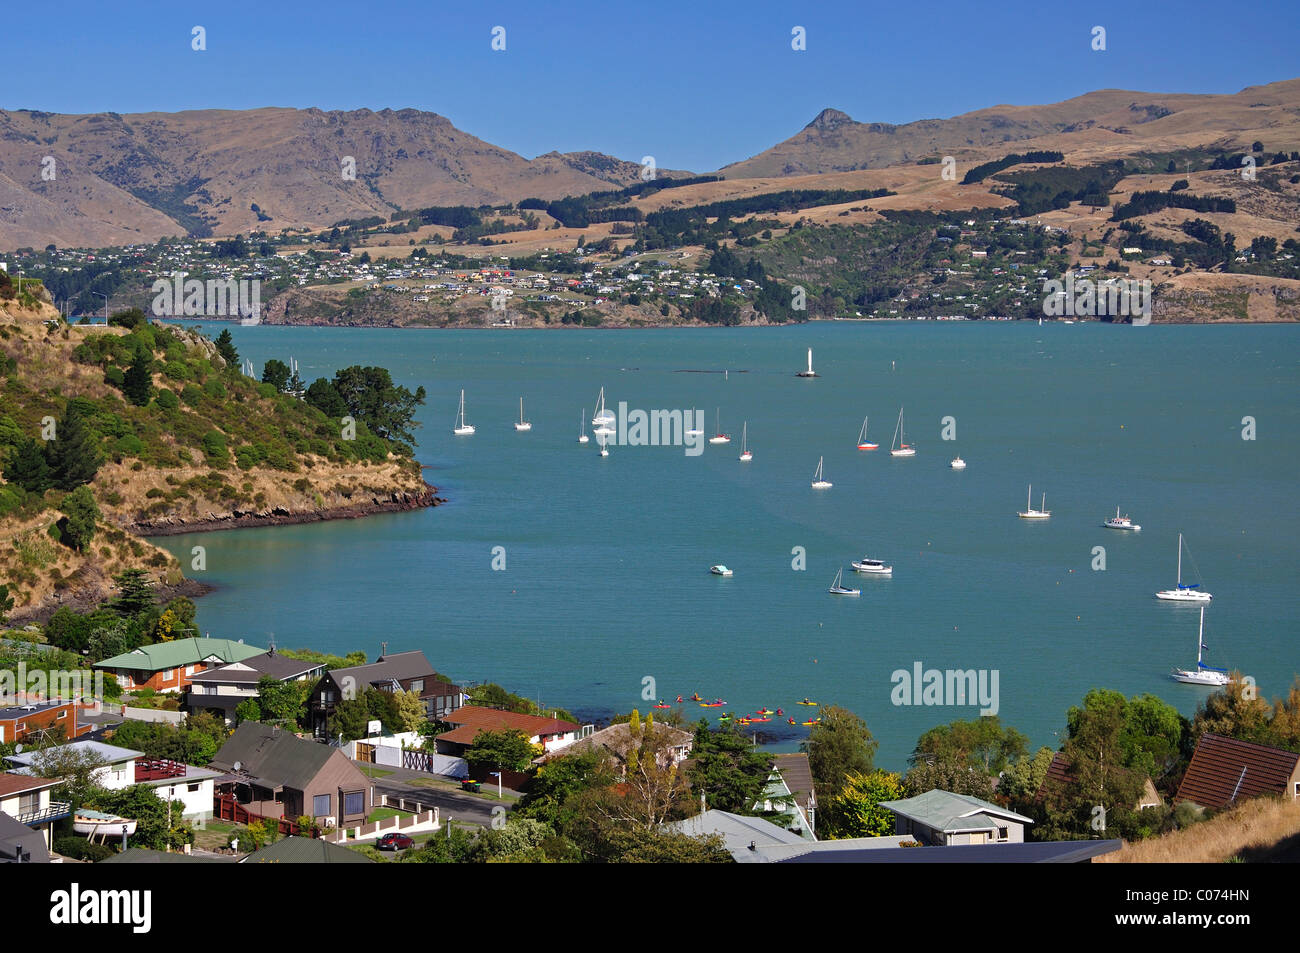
395 842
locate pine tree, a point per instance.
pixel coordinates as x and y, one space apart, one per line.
28 468
138 384
226 348
73 455
80 513
135 593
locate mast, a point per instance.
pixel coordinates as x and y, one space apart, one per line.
863 435
1200 639
810 370
1180 561
897 427
1029 499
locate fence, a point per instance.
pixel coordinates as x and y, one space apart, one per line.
423 818
226 808
157 768
153 714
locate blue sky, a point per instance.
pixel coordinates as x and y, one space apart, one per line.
696 85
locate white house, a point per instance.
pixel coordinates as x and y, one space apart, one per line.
944 819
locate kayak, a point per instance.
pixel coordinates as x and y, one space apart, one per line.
662 705
807 702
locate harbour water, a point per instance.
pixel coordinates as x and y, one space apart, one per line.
606 583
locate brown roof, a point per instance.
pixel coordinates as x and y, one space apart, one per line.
1224 771
471 719
11 784
798 777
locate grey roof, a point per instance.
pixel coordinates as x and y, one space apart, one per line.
738 833
16 838
305 850
109 754
399 665
274 756
249 671
952 813
142 855
1040 852
13 712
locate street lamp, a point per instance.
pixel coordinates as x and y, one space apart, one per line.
105 297
497 775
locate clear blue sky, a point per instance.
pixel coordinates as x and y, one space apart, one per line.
696 85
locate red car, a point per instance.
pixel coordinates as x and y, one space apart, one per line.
395 842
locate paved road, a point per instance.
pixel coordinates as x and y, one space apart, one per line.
465 808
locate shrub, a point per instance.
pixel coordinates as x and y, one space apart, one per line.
78 848
167 400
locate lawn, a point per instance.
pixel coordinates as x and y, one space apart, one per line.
373 772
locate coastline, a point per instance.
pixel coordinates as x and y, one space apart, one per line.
398 502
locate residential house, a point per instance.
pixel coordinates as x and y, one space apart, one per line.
1224 772
26 801
40 719
617 742
742 836
194 787
305 850
220 690
117 770
945 819
170 666
274 773
1060 774
399 672
551 733
19 844
790 795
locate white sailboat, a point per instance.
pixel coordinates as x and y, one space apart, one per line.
810 372
1035 514
838 589
817 482
863 442
745 454
582 437
719 437
462 429
1184 592
603 417
523 424
904 449
1203 674
600 436
694 431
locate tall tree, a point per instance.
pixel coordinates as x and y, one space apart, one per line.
135 593
80 513
276 373
28 467
74 453
840 745
226 348
855 809
137 384
386 408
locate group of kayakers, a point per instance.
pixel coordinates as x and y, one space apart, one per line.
761 716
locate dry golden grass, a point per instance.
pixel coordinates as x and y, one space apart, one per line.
1261 830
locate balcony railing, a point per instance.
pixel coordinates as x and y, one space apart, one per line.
56 811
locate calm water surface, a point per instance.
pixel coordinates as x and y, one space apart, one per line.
606 579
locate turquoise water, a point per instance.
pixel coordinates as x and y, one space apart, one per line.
606 580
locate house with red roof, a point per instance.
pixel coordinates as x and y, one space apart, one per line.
551 733
1225 771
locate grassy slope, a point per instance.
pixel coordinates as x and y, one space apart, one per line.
156 472
1263 830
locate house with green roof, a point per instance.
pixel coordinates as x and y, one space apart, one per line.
169 666
944 819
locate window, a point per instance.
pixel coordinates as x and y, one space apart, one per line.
189 669
320 805
167 675
20 728
193 787
29 803
61 715
354 802
1002 833
417 685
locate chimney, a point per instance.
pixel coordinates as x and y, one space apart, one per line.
383 650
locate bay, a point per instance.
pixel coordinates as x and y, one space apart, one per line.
606 580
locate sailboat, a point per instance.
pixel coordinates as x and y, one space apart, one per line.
1203 674
582 437
1184 592
604 451
523 424
694 431
745 454
1034 514
901 449
462 429
817 482
810 372
719 437
838 589
863 442
602 418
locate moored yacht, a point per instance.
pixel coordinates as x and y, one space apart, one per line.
1183 591
719 437
838 589
462 429
1035 514
958 463
817 482
872 567
1203 674
1120 522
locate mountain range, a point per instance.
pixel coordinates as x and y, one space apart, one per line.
111 179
